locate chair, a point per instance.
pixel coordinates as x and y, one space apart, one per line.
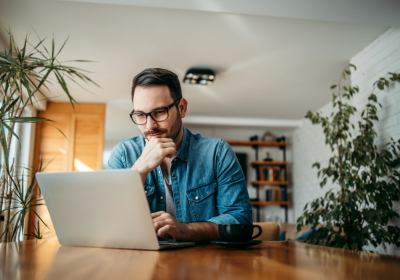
270 231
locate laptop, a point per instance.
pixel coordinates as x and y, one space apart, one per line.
104 208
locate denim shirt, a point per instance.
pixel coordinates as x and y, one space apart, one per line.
207 180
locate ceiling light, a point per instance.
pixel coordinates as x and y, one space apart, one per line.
199 76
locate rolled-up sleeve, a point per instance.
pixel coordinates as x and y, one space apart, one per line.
233 201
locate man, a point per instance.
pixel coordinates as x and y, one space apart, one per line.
193 183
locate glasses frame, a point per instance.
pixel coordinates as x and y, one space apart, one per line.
149 113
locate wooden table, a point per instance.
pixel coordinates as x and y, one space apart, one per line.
269 260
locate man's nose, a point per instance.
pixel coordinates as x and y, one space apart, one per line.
150 124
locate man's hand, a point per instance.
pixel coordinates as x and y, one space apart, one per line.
168 227
155 151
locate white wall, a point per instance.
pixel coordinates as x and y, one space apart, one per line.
373 62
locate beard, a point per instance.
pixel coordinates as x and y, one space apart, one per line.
172 133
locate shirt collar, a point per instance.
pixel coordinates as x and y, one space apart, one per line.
183 152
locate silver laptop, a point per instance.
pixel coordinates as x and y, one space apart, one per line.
105 208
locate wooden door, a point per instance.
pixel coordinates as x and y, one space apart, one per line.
78 147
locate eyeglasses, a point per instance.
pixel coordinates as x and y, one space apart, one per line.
158 115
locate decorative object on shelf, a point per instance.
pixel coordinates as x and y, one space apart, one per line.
268 136
283 139
25 73
199 76
358 213
268 158
254 138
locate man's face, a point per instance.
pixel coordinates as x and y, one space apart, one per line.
146 99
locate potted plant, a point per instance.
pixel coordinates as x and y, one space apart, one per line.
358 213
24 73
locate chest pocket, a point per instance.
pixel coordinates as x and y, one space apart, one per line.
202 201
149 190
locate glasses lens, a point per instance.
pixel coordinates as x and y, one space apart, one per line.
139 118
160 115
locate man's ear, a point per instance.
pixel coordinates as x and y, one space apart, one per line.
183 107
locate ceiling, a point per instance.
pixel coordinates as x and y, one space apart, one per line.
274 59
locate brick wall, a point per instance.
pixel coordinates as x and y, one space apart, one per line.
373 62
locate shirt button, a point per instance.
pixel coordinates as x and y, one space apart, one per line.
177 202
196 198
161 197
174 159
173 175
145 192
159 172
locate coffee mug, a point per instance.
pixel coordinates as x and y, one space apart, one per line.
238 233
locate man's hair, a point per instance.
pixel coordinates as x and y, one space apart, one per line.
158 76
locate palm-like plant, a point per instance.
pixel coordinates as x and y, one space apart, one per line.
24 74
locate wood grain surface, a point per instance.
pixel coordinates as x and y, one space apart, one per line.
79 147
36 259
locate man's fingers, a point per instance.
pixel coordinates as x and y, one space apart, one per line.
160 224
170 151
163 217
164 231
157 214
167 144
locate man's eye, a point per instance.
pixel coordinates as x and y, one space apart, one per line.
159 112
140 115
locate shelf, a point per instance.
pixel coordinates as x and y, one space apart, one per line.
256 143
270 183
270 203
269 163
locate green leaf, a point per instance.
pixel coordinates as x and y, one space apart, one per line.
317 164
27 120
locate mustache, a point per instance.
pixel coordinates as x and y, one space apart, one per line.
154 131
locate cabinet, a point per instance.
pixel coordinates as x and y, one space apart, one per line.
282 184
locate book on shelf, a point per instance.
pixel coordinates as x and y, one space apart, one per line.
282 175
276 195
261 173
271 174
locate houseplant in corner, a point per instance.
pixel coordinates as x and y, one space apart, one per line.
24 73
359 212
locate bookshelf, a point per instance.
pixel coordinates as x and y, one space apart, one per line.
257 165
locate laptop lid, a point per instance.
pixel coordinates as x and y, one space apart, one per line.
105 208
